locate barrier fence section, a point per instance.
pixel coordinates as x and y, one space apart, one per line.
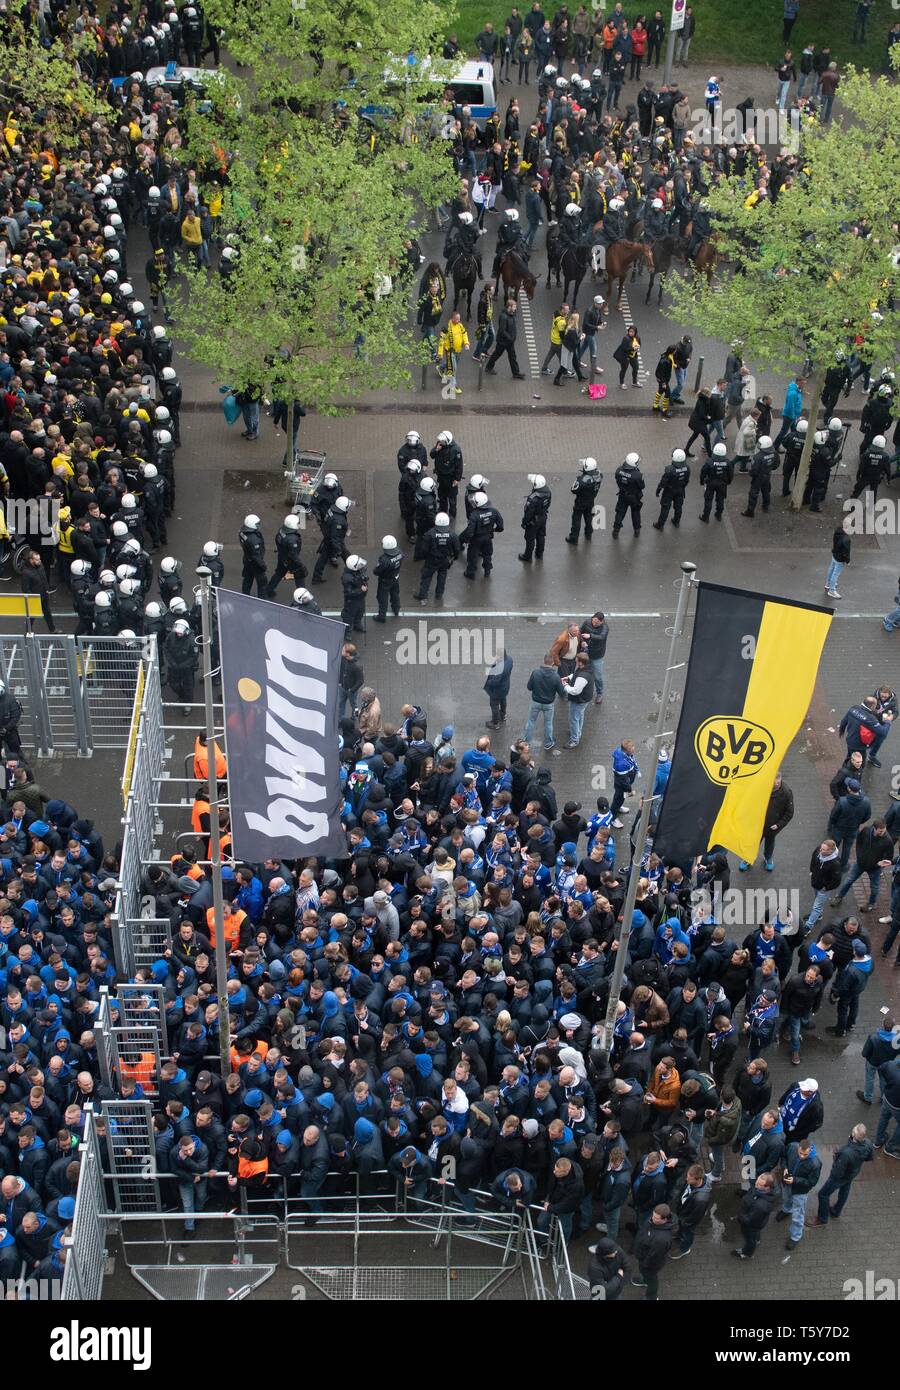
86 1254
77 693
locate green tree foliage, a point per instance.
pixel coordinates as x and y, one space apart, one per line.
798 280
44 88
320 194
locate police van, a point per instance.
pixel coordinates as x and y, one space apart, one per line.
472 86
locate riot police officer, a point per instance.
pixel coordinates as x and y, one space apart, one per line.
387 572
484 523
325 496
716 474
585 489
212 559
509 238
406 496
287 551
671 489
253 551
181 662
411 448
155 626
793 448
355 584
170 581
440 547
332 546
448 471
762 466
425 507
130 606
630 482
534 518
477 483
819 472
170 392
106 617
874 468
153 496
303 600
83 589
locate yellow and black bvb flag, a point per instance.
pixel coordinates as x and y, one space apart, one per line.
750 679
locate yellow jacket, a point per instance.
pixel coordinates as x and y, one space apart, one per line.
557 329
190 231
454 338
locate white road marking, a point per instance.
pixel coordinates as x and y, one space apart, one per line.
530 340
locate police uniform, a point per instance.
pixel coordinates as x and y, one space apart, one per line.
355 584
387 572
630 482
670 490
585 489
426 509
448 469
534 522
439 547
716 474
762 466
406 500
332 546
253 567
287 550
484 523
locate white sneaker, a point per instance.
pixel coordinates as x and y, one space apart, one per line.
617 824
833 593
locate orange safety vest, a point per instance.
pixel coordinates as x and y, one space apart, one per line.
140 1072
237 1059
201 762
193 872
200 809
224 845
251 1168
233 923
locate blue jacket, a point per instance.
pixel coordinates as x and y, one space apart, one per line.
793 402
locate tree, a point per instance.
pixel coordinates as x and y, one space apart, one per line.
806 275
331 136
44 82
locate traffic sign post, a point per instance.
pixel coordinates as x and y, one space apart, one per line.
676 22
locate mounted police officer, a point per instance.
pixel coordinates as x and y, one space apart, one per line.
509 238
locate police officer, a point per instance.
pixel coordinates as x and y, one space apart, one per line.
406 495
762 466
387 572
874 467
131 514
355 583
332 546
170 391
253 551
170 581
212 559
181 662
440 547
534 518
155 626
484 523
477 483
716 475
836 439
106 618
192 34
656 224
425 507
571 231
164 456
130 605
304 601
793 448
585 489
448 471
83 589
324 497
411 448
819 472
287 551
671 489
153 496
630 482
509 238
134 555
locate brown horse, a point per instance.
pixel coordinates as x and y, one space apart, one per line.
516 276
705 259
619 259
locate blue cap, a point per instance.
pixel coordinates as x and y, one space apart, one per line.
325 1101
448 731
363 1131
254 1098
38 827
66 1208
284 1137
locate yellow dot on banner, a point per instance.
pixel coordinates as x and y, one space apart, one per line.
249 689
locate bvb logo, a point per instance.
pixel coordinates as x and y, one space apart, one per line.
730 747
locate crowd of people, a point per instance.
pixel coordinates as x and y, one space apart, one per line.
428 1005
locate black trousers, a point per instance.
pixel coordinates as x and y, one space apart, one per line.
712 493
249 577
481 548
425 580
759 487
447 495
675 500
579 514
388 594
623 507
535 537
510 350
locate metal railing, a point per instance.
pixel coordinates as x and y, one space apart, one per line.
77 693
86 1251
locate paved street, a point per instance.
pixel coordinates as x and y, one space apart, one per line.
506 431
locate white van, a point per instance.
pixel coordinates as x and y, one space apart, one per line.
473 86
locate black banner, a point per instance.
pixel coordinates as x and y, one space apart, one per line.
280 671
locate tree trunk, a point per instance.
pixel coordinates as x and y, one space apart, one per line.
818 385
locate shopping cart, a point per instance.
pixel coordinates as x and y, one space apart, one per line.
304 477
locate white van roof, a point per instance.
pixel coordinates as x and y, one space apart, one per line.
474 72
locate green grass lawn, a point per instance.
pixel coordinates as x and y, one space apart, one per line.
730 31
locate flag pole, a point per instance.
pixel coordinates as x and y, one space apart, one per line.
215 841
688 579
